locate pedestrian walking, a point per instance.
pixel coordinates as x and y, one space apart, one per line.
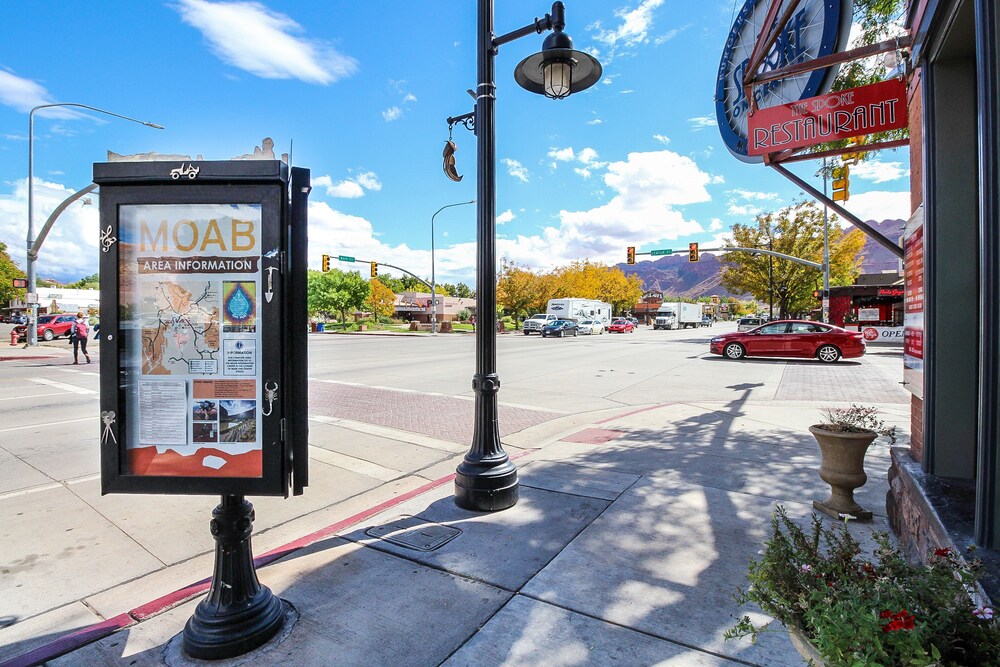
78 338
472 321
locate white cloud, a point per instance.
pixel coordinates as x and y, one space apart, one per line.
409 97
516 169
633 31
70 250
745 209
392 113
880 172
718 178
587 156
701 122
584 172
740 193
880 205
505 217
349 188
265 43
715 225
662 138
561 154
596 121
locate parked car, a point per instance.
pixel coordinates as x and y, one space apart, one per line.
591 327
706 321
621 325
560 328
19 319
537 322
748 323
791 338
49 327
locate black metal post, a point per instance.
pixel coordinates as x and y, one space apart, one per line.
239 614
486 480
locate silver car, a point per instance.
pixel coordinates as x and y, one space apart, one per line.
591 327
748 323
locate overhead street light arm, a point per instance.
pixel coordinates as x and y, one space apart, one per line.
104 111
40 239
772 253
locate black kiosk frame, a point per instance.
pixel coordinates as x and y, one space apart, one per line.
203 358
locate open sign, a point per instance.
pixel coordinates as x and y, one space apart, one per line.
886 335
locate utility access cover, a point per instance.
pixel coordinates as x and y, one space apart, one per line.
412 532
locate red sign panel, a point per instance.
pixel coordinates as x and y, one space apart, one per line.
847 113
20 282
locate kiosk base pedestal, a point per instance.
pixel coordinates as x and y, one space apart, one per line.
239 614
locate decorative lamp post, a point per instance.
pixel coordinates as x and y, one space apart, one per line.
486 480
32 255
433 283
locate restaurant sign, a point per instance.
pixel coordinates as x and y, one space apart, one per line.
202 328
878 107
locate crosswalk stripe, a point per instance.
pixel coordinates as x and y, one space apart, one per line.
64 386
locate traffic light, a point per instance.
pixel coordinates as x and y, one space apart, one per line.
692 252
630 255
841 183
374 269
326 263
853 158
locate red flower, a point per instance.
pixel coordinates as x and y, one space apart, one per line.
901 620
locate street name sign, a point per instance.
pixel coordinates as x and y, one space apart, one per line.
661 252
345 258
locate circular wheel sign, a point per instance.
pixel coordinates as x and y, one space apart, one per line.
870 334
816 28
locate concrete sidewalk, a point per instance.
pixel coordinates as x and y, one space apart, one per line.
631 536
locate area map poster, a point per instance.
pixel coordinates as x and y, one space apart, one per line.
189 300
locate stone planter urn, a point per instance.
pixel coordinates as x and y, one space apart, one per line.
805 648
843 468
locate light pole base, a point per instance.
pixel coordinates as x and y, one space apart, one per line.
483 488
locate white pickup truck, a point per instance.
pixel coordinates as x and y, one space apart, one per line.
536 322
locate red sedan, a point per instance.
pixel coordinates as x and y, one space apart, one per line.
621 325
791 338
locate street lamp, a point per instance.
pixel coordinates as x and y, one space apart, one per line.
434 318
31 255
486 480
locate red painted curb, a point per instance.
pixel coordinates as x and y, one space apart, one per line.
70 642
92 633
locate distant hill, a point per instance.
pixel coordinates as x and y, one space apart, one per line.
674 275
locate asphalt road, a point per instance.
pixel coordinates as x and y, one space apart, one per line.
383 410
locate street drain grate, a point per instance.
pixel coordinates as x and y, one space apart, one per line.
412 532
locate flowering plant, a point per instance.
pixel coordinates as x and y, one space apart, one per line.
856 419
856 611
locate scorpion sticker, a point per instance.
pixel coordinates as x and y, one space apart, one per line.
270 395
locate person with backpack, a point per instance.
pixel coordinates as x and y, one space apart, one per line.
78 338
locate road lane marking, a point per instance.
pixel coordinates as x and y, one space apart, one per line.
391 434
77 371
64 386
21 398
65 421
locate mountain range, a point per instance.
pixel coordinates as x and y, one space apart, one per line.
674 275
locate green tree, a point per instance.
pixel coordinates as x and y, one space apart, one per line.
336 291
89 282
879 20
8 271
381 300
463 291
796 231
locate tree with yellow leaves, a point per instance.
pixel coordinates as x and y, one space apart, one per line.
380 300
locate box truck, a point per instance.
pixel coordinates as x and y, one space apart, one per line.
579 309
677 315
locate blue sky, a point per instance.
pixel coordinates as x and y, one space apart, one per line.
359 92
